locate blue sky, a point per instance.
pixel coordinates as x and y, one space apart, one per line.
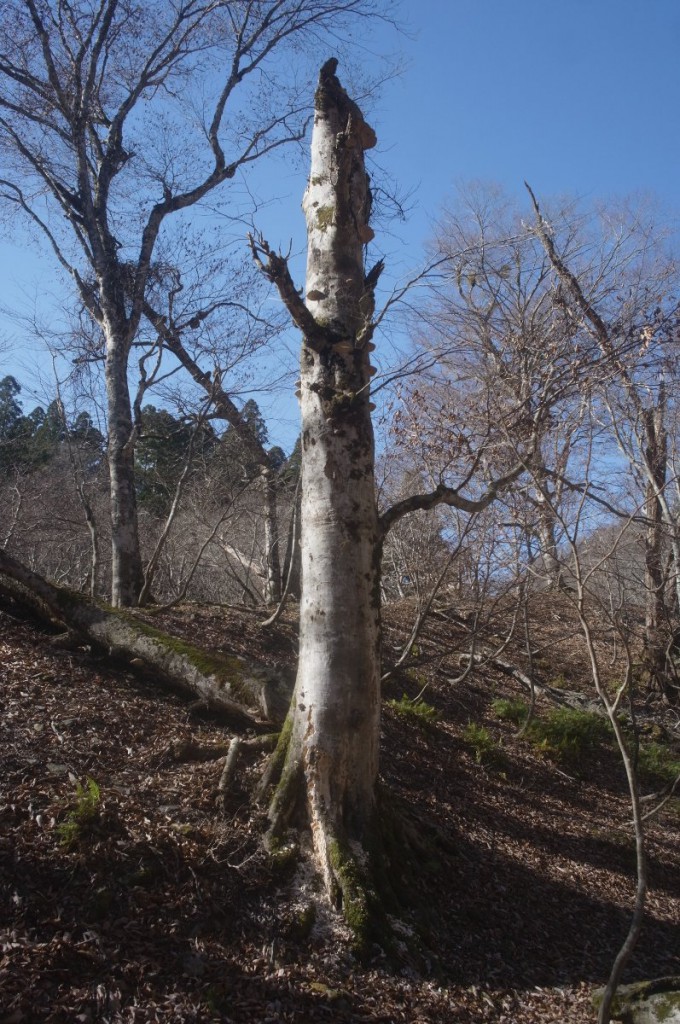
573 95
578 96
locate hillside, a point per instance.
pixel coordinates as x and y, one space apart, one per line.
139 901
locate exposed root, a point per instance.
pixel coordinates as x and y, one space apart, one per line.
353 894
192 749
228 772
231 762
365 877
283 808
341 868
274 769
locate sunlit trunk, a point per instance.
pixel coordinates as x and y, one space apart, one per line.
552 566
336 725
332 757
656 457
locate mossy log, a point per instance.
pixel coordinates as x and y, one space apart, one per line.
645 1002
246 693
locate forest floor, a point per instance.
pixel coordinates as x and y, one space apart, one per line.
138 900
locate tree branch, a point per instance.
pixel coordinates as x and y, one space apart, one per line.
222 402
443 495
18 197
572 282
275 269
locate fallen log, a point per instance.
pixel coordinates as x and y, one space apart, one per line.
567 698
247 693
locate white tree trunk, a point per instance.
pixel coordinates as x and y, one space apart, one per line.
336 716
271 538
329 772
552 566
655 456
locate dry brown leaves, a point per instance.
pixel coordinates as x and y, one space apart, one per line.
162 911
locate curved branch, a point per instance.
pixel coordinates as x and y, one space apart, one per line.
19 198
223 404
443 495
565 275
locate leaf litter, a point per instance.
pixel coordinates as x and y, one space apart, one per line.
162 909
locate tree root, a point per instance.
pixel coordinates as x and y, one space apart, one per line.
234 752
228 772
193 750
354 895
365 877
275 765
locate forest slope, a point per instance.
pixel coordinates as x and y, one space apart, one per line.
138 900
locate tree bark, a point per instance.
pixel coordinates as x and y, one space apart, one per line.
127 576
546 528
272 593
656 458
246 693
329 766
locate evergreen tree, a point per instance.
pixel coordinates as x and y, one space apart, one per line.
164 446
236 461
10 409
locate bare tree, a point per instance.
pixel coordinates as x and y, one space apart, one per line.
628 304
600 617
172 330
113 122
509 367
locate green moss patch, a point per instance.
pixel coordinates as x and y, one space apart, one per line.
226 670
660 998
325 217
356 897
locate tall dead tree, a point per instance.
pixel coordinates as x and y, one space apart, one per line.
331 761
325 768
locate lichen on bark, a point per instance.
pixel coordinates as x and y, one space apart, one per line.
323 775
